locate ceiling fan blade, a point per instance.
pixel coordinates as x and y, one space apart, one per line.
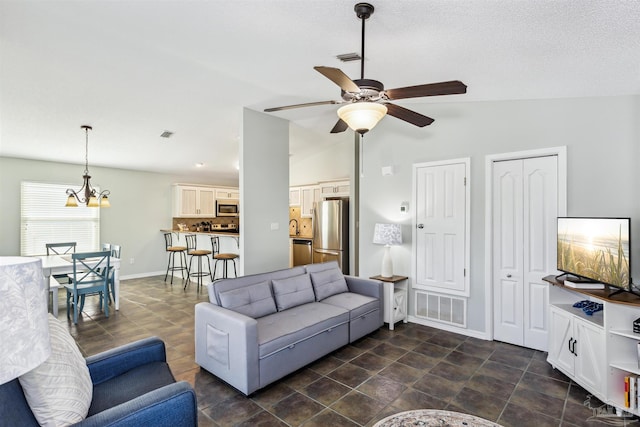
407 115
338 77
308 104
431 89
340 126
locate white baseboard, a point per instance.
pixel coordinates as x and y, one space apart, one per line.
450 328
141 275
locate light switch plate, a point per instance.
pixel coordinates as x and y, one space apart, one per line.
275 226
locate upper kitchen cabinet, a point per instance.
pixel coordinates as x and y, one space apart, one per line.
194 202
335 189
294 196
308 196
228 193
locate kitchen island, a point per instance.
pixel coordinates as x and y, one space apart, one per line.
229 241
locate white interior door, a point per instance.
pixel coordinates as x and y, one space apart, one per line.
441 227
525 208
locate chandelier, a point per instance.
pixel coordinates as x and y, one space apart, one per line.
87 194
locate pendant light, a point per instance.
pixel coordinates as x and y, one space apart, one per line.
87 194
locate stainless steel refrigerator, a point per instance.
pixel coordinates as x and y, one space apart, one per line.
331 232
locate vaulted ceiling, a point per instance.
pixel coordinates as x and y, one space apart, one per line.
134 69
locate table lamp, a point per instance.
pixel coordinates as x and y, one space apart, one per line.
387 234
24 327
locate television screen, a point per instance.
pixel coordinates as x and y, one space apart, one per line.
596 249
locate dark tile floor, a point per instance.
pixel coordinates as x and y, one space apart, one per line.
384 373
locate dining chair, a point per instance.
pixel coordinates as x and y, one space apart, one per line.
105 247
61 249
116 250
224 257
90 276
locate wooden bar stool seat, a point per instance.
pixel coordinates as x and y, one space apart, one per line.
224 257
172 251
193 251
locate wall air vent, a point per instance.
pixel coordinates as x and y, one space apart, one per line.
348 57
166 134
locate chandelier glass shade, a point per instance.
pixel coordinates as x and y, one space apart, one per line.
362 116
87 195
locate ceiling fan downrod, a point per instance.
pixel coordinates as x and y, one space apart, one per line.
363 11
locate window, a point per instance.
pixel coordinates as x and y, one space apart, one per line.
45 219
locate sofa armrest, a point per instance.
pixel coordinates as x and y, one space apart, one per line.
112 363
369 287
173 405
227 346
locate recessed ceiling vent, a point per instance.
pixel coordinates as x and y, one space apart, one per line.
166 134
348 57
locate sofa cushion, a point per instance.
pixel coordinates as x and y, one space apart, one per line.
293 291
285 328
328 282
253 301
356 304
223 285
59 391
126 387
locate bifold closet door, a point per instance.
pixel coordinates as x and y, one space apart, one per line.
525 206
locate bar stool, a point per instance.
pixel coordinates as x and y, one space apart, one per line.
224 257
199 253
173 250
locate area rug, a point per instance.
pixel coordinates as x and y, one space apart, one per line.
433 418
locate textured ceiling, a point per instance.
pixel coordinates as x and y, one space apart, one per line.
133 69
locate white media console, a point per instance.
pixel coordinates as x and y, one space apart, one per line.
596 351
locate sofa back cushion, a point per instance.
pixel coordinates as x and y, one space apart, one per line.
293 291
224 285
253 301
328 282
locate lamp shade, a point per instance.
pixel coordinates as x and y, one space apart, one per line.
387 234
362 116
24 328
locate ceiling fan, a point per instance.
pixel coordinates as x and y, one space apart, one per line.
367 100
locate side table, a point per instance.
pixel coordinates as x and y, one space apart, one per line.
395 299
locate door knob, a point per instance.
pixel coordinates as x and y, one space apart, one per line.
508 276
420 225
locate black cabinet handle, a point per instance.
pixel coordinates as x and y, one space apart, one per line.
570 340
574 347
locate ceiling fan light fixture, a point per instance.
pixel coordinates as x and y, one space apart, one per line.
362 116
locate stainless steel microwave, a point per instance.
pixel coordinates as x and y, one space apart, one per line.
227 207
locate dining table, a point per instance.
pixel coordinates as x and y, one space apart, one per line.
63 264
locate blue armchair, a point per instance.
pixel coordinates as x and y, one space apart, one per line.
132 386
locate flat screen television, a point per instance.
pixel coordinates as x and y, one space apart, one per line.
596 249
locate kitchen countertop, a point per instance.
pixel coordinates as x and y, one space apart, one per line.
210 233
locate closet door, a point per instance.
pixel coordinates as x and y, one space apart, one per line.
525 208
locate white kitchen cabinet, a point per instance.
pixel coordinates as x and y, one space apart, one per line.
577 346
294 196
308 196
193 201
335 189
228 193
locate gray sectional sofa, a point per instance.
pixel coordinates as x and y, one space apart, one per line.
256 329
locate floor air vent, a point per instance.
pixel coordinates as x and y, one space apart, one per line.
441 308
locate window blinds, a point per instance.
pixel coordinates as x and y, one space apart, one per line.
45 219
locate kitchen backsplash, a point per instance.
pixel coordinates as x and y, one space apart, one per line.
305 225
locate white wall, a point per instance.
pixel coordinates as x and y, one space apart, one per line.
264 193
140 207
327 157
602 138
